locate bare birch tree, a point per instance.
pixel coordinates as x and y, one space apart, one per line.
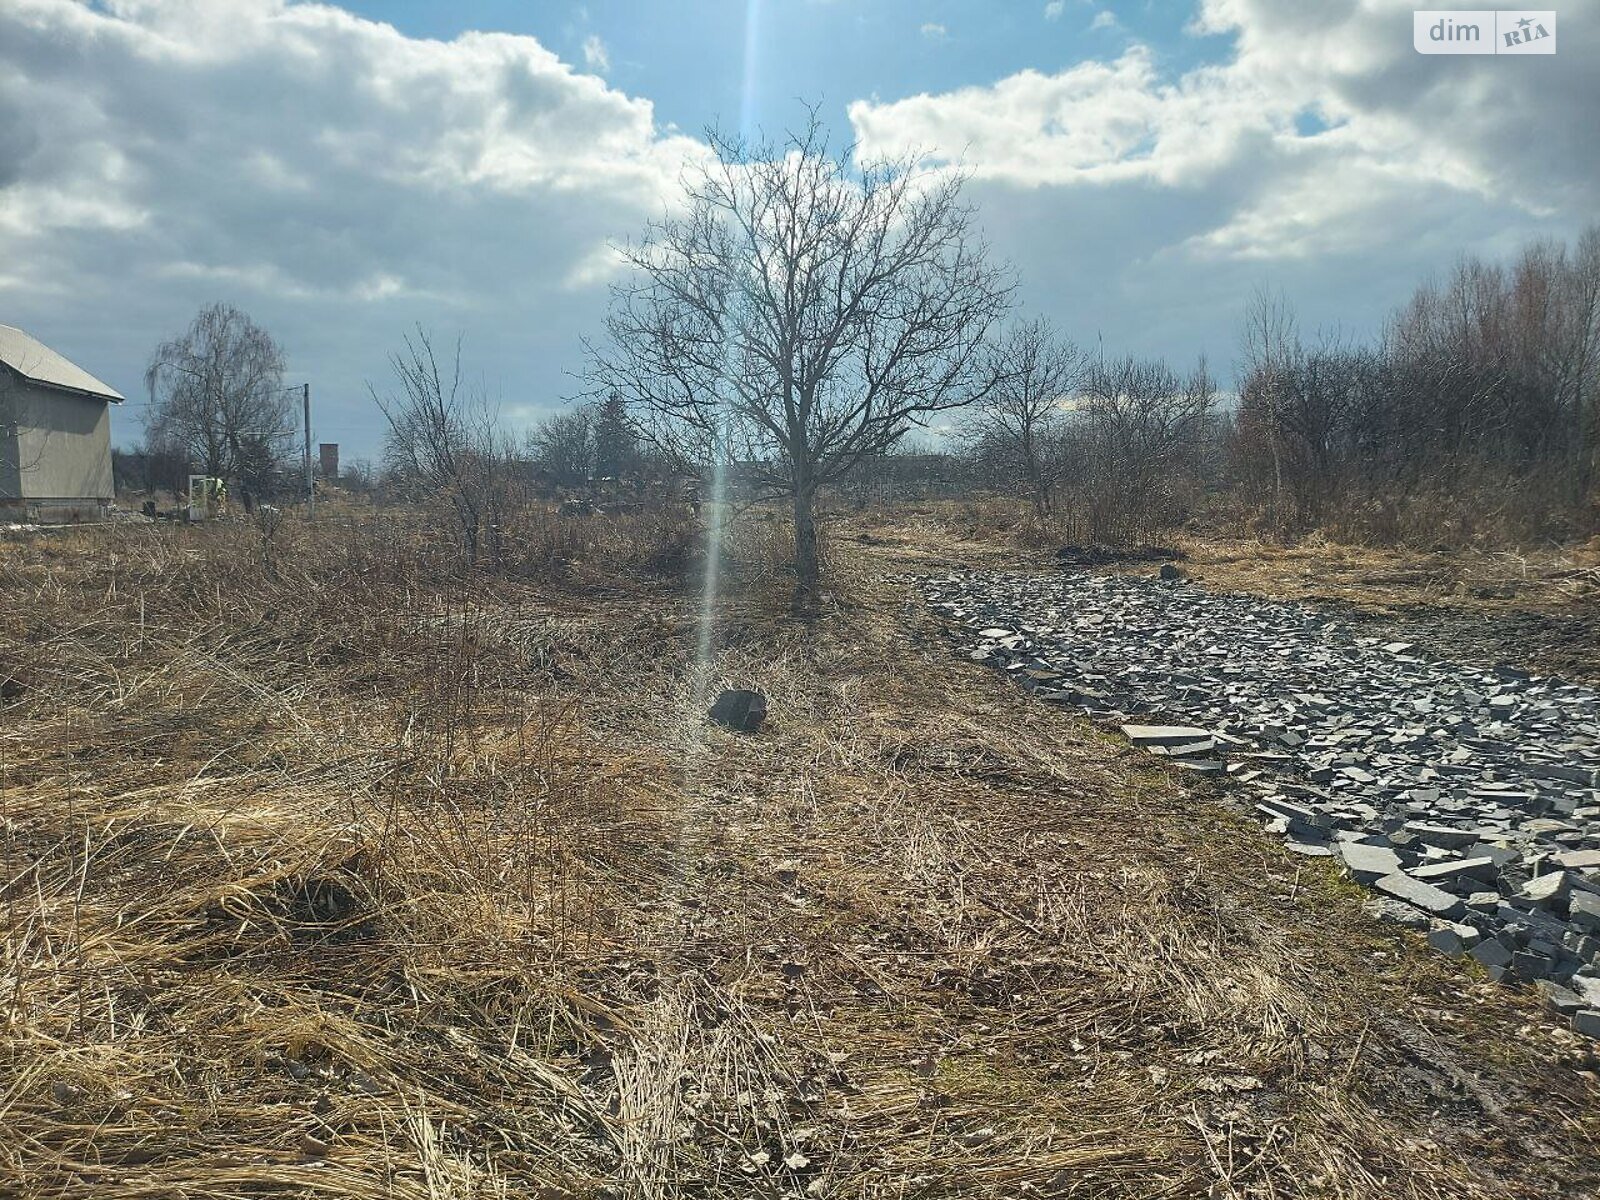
803 314
217 396
1270 348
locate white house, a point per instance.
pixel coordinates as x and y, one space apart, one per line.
55 433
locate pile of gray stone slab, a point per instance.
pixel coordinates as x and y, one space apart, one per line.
1467 797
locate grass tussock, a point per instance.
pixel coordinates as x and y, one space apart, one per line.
333 868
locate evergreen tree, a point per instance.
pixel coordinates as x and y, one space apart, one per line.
615 451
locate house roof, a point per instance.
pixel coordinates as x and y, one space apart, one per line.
33 360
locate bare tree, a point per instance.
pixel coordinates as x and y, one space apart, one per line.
563 445
1023 418
1269 348
1577 356
443 442
801 315
1139 429
217 396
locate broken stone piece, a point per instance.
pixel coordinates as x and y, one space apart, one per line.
1492 953
1547 890
1443 836
1453 938
1557 998
1368 864
1454 870
1422 895
1145 736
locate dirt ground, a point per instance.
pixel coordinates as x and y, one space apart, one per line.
333 880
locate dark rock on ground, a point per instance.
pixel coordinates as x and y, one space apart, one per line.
740 710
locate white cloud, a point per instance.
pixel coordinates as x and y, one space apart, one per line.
1052 11
601 265
1322 154
1479 129
1104 19
935 32
595 55
333 177
1087 122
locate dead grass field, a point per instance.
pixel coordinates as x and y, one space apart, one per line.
345 879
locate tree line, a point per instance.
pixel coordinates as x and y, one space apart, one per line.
802 314
1479 400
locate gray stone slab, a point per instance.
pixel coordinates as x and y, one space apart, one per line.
1457 870
1386 909
1164 735
1583 910
1529 965
1421 895
1368 864
1558 998
1491 953
1309 849
1453 938
1444 836
1547 891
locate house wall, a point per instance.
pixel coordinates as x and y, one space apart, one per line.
60 451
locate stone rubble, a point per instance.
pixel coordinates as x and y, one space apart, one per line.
1467 798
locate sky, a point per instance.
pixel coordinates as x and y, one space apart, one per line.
345 174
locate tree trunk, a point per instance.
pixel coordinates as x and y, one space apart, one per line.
1583 461
1035 473
1041 496
807 565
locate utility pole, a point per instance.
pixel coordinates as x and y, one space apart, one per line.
311 491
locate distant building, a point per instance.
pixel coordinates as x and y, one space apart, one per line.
55 432
328 452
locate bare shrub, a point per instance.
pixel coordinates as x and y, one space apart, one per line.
1135 448
443 443
1475 417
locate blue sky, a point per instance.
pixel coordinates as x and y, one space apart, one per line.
344 174
689 59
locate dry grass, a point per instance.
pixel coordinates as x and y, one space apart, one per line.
1554 579
354 879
